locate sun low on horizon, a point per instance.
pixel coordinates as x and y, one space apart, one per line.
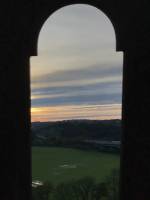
77 73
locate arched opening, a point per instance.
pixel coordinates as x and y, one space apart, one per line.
77 77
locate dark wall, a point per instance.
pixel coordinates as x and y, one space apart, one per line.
20 23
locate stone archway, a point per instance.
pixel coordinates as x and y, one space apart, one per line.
21 22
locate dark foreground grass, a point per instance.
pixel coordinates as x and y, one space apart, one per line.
62 164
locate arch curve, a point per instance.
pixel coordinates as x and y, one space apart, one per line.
79 11
47 11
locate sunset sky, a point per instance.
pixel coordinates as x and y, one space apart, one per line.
77 73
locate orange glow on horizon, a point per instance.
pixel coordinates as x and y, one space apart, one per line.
68 112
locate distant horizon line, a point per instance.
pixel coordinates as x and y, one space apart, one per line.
77 120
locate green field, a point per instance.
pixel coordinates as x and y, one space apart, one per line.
62 164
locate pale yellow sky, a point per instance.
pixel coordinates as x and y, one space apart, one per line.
95 112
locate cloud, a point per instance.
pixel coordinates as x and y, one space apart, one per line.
77 99
111 84
83 73
86 85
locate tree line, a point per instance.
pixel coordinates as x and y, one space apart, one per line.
73 133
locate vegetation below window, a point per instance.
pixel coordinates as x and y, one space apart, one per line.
83 189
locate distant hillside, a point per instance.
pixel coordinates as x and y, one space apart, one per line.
76 133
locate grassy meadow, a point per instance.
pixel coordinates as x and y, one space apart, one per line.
62 164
